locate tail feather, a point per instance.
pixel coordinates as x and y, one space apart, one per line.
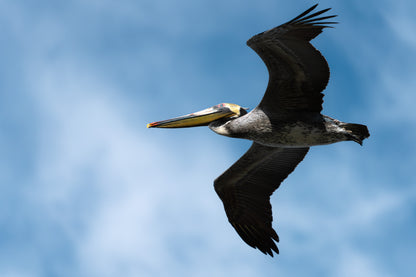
358 132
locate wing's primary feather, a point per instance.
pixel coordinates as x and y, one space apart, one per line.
298 73
245 189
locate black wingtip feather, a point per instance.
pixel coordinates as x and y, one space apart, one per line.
306 18
304 13
314 15
253 238
315 19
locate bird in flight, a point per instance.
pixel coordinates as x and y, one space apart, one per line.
283 126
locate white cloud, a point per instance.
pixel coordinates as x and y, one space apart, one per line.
400 18
129 202
132 201
354 263
384 74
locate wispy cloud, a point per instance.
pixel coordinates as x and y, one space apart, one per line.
103 196
109 187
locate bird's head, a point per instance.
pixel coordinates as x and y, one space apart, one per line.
222 112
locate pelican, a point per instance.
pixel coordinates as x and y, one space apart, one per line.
283 126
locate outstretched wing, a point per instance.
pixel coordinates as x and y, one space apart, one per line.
298 73
245 190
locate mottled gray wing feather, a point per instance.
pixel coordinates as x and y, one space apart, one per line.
245 189
298 73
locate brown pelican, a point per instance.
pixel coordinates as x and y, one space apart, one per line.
282 127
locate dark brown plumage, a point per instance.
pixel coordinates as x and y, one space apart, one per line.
283 126
245 189
298 73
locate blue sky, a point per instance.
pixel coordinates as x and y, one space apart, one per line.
87 190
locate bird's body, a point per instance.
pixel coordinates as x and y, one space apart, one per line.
283 126
299 131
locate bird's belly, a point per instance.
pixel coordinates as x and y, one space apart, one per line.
297 134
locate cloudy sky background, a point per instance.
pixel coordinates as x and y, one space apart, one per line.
87 190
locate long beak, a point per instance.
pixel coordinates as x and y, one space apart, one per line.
201 118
